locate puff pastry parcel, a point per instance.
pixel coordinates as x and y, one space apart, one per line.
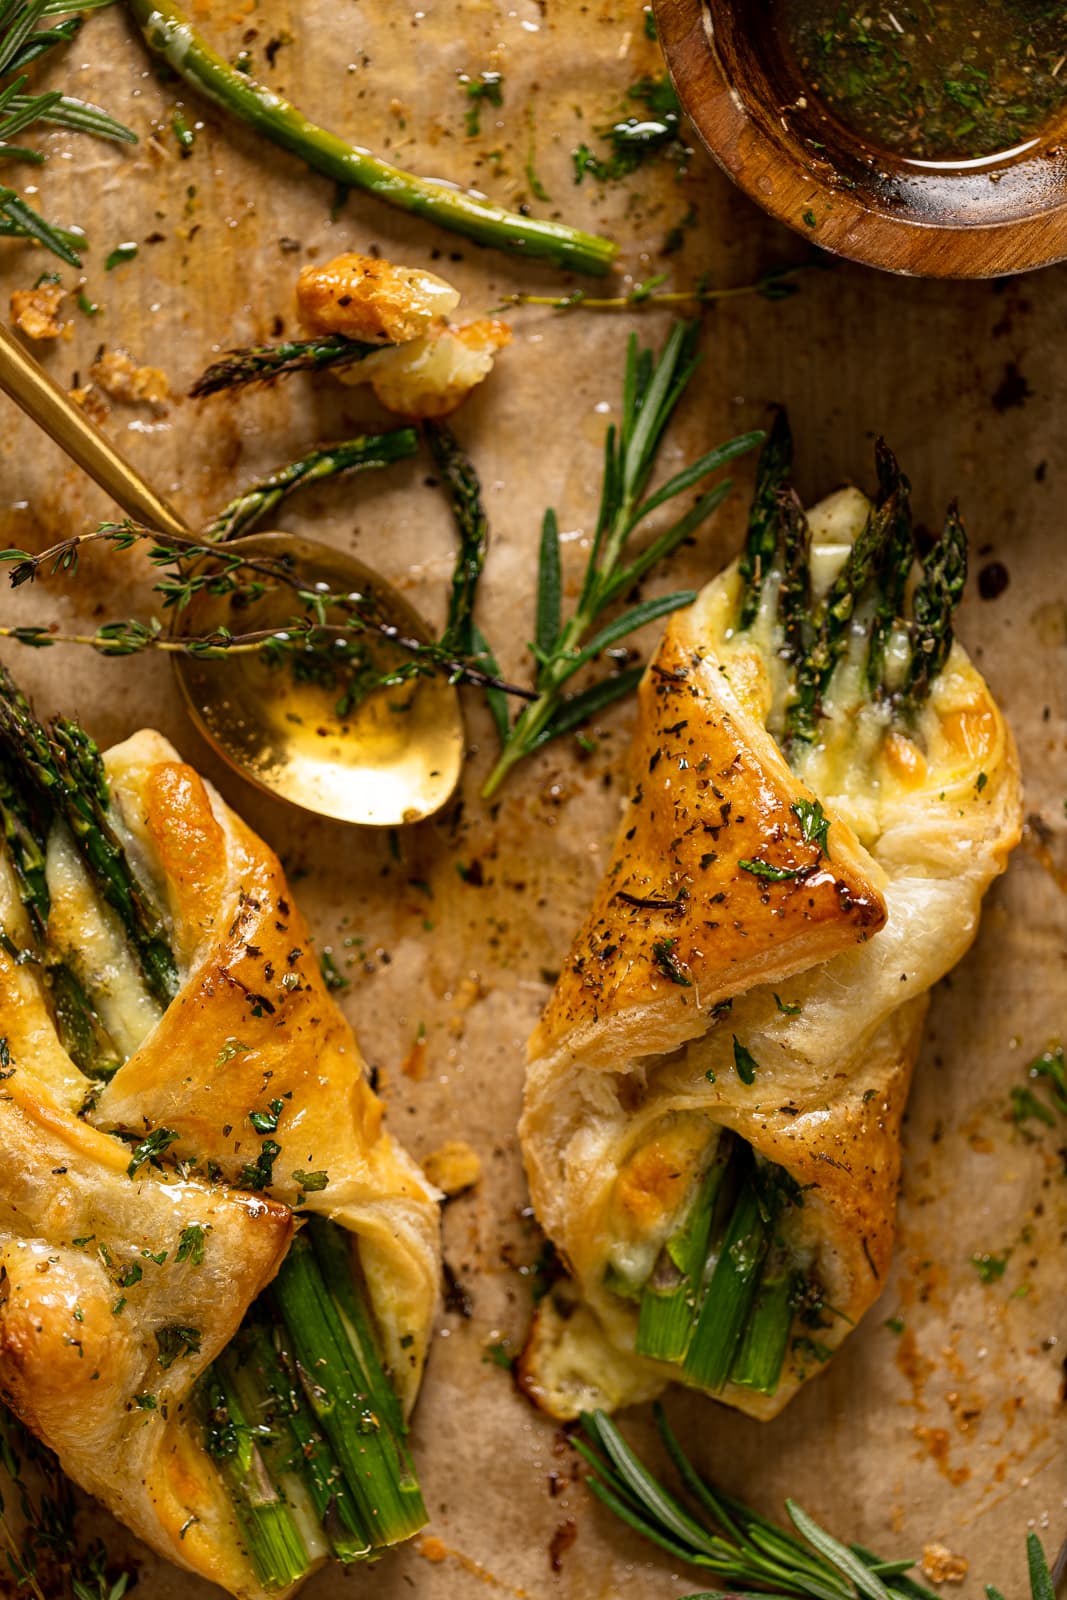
218 1271
822 789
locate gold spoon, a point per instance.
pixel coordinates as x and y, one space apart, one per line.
395 757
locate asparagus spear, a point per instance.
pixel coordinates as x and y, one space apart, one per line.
759 1359
353 1405
259 363
78 1025
794 593
765 515
670 1298
171 35
936 597
898 558
465 495
730 1292
350 455
267 1523
270 1356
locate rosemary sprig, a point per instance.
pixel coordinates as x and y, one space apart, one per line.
652 389
23 41
259 363
351 455
724 1537
714 1531
171 35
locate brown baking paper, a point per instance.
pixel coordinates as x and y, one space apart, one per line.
950 1431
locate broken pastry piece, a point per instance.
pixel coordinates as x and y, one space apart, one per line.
430 366
822 789
219 1270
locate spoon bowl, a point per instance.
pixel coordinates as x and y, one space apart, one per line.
302 728
386 757
745 95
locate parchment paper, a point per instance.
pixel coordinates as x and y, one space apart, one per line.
951 1431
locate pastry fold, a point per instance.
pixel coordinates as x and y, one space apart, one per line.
757 959
106 1322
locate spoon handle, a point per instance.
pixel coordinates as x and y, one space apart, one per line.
25 382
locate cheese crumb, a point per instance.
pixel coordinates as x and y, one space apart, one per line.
35 312
453 1167
941 1566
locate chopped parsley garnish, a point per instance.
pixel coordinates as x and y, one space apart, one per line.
191 1244
487 88
175 1342
150 1149
259 1174
633 139
981 781
133 1274
814 1348
310 1182
121 253
763 869
990 1267
145 1402
266 1121
745 1062
661 954
788 1008
814 823
499 1355
332 976
231 1048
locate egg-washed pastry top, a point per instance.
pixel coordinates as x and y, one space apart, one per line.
147 1200
821 790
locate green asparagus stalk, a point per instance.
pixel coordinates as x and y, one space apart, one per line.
268 1354
266 1521
794 592
353 1406
765 516
760 1357
860 573
171 35
465 496
259 363
351 455
670 1299
898 558
937 594
81 1032
730 1292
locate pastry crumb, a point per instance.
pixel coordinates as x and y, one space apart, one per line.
453 1167
430 1548
92 402
35 312
941 1566
123 380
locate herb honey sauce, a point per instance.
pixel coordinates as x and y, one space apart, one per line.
934 80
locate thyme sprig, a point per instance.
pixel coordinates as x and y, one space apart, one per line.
24 39
198 567
776 284
652 389
42 1546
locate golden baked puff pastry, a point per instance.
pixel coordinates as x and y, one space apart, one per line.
218 1272
821 790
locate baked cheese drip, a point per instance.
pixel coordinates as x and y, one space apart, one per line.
715 1091
129 1263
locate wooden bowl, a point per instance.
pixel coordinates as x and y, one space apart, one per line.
744 96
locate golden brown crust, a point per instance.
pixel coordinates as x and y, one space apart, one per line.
678 924
90 1274
634 1066
364 298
